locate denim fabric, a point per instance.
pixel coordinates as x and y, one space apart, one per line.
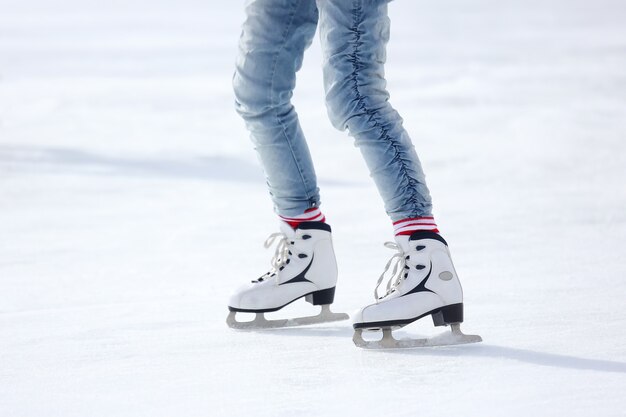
353 34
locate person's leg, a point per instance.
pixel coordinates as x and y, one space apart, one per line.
274 37
354 35
423 280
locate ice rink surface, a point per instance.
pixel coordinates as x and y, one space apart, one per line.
131 205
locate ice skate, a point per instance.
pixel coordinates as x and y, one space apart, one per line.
303 265
423 282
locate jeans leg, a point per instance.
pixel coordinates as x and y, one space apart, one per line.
354 34
274 37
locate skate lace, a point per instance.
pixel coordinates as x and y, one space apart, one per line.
281 253
399 262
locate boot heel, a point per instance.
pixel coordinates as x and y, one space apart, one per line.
321 297
448 315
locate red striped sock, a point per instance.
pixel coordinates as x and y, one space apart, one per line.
311 215
408 226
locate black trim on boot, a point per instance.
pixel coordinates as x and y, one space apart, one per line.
314 226
426 234
449 314
321 297
452 313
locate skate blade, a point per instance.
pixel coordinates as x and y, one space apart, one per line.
260 322
454 337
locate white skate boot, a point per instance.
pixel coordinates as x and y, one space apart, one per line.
423 282
303 265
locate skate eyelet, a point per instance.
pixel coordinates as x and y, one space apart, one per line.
420 247
305 237
302 255
420 267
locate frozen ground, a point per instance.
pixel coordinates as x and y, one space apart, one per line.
128 191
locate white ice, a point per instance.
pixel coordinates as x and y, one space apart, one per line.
131 204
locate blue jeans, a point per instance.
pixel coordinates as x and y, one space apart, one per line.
353 34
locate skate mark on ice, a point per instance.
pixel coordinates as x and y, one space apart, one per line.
552 359
61 160
533 357
343 331
64 160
